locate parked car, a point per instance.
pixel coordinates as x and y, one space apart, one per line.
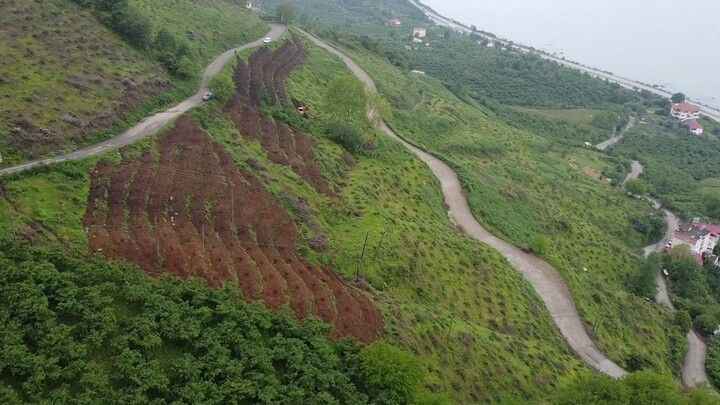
208 96
267 40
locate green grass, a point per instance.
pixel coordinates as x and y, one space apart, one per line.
210 27
573 115
50 45
523 187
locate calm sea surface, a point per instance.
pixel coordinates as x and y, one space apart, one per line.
671 43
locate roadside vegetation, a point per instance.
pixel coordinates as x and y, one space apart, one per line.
460 325
681 170
80 71
586 230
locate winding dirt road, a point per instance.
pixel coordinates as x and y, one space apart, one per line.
617 137
693 370
150 125
547 282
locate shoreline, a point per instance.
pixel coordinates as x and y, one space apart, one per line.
710 111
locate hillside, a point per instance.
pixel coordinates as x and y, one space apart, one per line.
253 253
70 79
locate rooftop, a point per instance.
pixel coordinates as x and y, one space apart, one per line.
686 108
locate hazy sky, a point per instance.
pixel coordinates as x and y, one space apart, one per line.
657 41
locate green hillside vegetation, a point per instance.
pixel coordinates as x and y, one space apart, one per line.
585 230
464 66
509 76
637 389
83 331
476 326
63 72
461 325
83 70
682 170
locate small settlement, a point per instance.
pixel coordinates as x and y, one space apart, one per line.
688 116
702 239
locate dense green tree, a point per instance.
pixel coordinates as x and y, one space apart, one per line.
286 12
643 282
345 135
641 388
678 98
79 330
346 99
393 376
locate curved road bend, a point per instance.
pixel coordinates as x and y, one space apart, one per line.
547 281
617 137
150 125
693 370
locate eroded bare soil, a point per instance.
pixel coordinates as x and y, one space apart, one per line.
187 209
262 81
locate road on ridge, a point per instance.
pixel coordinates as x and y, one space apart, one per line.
150 125
547 282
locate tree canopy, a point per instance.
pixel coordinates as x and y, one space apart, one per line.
87 331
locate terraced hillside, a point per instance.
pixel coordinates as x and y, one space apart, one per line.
193 213
477 327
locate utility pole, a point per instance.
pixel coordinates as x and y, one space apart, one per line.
362 256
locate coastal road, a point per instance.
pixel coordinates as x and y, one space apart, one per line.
547 282
150 125
710 112
693 370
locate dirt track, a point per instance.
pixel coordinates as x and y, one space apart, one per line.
693 370
546 280
151 125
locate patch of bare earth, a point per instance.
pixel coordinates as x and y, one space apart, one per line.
263 80
190 211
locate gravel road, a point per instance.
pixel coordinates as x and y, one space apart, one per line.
150 125
547 282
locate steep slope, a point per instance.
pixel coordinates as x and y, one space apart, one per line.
584 230
64 77
69 80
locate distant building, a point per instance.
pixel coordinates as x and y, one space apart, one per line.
685 111
394 22
694 127
702 239
419 33
417 72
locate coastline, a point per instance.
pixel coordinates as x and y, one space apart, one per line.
709 111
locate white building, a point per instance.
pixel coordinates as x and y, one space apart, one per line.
685 111
694 127
420 33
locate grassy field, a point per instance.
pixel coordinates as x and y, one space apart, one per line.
575 115
210 27
584 229
63 72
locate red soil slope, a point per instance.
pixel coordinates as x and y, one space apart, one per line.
188 210
262 80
